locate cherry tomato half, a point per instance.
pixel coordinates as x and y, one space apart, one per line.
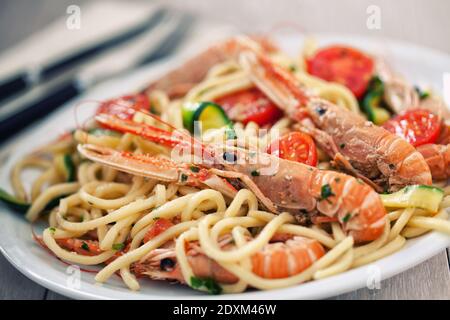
125 107
250 105
417 126
347 66
295 146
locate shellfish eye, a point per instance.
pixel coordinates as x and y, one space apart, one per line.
229 157
166 264
321 110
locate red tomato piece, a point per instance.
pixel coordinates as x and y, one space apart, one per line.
250 105
158 227
417 126
347 66
295 146
125 107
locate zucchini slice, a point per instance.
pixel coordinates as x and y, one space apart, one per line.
13 202
22 206
371 106
419 196
209 114
65 166
373 101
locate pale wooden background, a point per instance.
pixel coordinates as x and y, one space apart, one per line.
421 21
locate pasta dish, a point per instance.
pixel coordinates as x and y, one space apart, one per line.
245 168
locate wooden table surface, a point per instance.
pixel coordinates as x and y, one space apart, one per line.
429 280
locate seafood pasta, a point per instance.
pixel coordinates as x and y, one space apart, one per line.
245 168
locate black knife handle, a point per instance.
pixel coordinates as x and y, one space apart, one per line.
38 109
12 85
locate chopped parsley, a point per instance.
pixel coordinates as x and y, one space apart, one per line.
184 177
153 109
342 145
118 246
85 246
195 169
292 68
326 192
255 173
422 94
347 217
209 284
52 229
156 218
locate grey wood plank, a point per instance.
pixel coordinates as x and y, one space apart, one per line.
429 280
14 285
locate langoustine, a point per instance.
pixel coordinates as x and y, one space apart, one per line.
274 261
289 186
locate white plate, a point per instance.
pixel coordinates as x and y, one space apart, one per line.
420 65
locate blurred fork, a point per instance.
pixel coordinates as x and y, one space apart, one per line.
159 41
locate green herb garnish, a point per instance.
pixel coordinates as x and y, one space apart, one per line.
195 169
209 284
422 94
184 177
118 246
326 192
347 217
255 173
85 246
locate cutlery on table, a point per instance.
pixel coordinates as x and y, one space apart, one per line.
161 40
16 82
